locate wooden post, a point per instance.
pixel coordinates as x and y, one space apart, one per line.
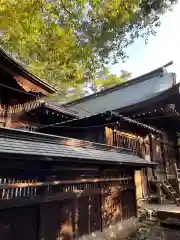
151 154
76 232
177 152
102 171
159 192
6 115
164 158
174 165
134 193
89 214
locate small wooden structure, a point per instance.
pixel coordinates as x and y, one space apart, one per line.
62 188
54 183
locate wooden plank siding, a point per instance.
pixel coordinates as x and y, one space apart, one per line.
130 141
62 206
159 149
18 223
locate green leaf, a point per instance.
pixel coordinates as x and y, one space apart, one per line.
69 42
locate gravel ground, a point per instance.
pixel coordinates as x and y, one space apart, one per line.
159 233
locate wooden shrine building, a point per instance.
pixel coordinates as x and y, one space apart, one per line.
162 111
115 130
152 99
62 188
23 98
50 184
125 94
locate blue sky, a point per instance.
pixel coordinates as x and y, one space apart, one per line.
161 49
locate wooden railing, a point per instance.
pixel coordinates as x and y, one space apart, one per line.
11 188
19 108
127 141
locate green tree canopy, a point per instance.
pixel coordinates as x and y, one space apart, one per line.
69 42
106 79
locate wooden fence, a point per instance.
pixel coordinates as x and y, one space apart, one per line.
64 209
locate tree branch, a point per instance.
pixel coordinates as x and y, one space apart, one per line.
65 9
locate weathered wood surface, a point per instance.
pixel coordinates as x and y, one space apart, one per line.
120 231
98 198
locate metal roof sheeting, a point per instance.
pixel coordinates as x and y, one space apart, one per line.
142 78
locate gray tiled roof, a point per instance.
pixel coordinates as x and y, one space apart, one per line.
13 145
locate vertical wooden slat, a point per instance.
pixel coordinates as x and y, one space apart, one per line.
90 212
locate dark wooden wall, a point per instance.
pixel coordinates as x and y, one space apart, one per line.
63 201
92 134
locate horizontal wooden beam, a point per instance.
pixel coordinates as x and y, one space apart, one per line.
52 183
38 199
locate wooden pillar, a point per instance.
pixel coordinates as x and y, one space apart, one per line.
159 192
134 193
102 206
6 115
151 154
174 165
163 157
177 151
109 136
89 214
101 185
76 231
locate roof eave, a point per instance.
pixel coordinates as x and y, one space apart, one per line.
23 70
159 97
60 109
46 157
